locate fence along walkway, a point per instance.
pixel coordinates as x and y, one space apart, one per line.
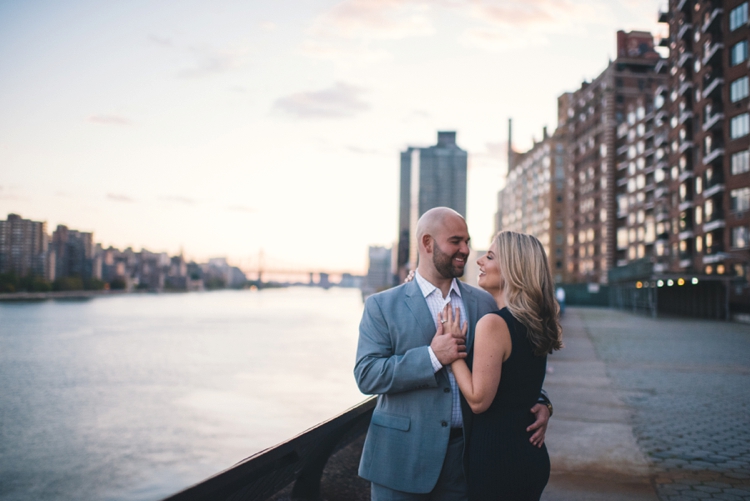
300 460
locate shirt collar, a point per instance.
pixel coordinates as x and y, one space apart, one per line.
428 288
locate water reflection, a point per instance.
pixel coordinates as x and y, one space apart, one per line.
134 397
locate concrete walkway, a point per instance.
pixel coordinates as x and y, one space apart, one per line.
593 449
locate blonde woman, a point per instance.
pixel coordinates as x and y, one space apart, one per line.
502 377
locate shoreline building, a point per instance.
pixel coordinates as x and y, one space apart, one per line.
708 170
533 198
24 248
590 117
430 177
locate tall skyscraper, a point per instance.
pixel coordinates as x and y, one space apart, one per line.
430 177
23 247
74 251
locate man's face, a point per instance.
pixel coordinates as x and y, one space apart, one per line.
451 248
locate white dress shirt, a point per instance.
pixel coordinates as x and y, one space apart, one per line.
436 302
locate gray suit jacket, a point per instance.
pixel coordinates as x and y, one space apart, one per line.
408 435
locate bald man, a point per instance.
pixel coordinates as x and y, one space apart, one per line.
414 446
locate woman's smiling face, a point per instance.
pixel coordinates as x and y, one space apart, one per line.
490 276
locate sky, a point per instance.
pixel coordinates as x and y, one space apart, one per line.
231 128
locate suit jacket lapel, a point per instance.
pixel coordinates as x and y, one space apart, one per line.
470 303
417 304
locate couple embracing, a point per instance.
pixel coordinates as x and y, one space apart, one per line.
461 414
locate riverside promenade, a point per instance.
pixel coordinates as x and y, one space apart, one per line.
649 409
645 409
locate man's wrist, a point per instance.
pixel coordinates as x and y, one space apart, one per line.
547 404
436 365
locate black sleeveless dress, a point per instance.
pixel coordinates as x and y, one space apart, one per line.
500 462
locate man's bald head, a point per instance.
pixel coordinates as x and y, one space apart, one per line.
443 244
433 221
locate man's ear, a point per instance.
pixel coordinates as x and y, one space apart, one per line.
427 243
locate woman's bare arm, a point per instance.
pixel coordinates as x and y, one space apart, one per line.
492 346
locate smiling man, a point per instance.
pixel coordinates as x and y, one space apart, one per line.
414 446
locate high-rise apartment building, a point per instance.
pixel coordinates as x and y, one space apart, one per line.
23 247
533 198
708 171
600 169
430 177
74 251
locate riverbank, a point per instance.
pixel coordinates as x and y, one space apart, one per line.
41 296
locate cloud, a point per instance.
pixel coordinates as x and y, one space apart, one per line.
116 197
362 151
210 62
351 54
108 120
268 26
381 19
242 208
178 199
504 25
161 41
341 100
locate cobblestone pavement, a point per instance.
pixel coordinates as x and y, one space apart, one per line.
688 383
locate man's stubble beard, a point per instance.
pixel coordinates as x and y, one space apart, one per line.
442 263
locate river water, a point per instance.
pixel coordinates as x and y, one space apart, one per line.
137 396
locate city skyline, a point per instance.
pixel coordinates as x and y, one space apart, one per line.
231 128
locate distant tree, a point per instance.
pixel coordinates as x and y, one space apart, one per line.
93 284
8 282
68 284
117 284
213 283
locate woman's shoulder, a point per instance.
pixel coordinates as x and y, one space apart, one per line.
496 318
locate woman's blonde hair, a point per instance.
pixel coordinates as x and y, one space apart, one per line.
529 291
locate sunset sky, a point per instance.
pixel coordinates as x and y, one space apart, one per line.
227 127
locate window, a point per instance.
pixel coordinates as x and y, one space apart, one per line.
740 237
739 89
741 162
740 126
738 16
739 53
740 199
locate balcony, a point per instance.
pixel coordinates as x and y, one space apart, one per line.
683 30
622 165
713 22
713 121
660 192
649 187
684 58
713 86
660 139
622 149
685 116
685 263
714 258
683 6
662 63
661 216
684 235
685 87
686 175
622 182
687 204
660 116
715 154
712 51
686 145
713 225
713 190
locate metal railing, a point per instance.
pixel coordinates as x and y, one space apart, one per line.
300 460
